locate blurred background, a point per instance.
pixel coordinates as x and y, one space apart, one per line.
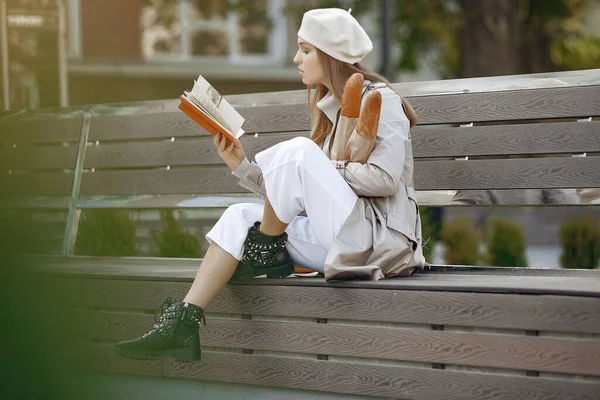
76 52
117 51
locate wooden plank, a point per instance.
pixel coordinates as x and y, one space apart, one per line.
530 173
487 310
36 184
481 279
376 380
99 357
453 108
200 151
351 378
575 283
473 349
564 355
184 269
535 173
546 138
34 157
573 102
49 128
113 326
145 126
264 119
557 138
199 180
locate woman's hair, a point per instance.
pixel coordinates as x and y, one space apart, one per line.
338 72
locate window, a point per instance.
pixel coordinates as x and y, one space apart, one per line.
241 31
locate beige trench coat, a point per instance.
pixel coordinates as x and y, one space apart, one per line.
382 236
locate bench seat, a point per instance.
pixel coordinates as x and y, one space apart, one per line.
447 333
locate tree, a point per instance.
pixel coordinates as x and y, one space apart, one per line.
107 232
471 38
496 37
173 240
505 244
461 242
580 239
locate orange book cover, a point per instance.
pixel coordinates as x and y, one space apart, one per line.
202 119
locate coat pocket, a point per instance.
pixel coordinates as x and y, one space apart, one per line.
402 216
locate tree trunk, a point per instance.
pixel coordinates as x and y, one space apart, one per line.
535 40
489 40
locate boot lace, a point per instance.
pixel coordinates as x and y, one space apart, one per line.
160 313
160 318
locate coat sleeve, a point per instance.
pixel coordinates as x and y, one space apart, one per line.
381 175
250 176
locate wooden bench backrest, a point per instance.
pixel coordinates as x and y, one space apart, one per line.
43 146
521 139
153 148
136 149
39 158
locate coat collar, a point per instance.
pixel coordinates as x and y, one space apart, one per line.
330 106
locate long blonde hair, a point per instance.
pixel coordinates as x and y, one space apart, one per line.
338 73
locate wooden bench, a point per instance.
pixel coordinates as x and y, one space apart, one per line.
448 333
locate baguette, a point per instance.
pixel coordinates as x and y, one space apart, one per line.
368 123
351 96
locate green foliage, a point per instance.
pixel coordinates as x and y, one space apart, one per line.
433 27
106 232
580 239
505 244
173 240
461 242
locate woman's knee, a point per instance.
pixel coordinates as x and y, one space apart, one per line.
241 211
302 143
298 147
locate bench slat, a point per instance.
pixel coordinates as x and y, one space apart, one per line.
564 138
99 357
205 180
564 355
144 126
36 184
511 105
346 377
41 129
32 158
546 138
549 173
486 310
530 173
200 151
572 102
262 119
375 380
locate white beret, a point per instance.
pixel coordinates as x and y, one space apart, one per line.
337 33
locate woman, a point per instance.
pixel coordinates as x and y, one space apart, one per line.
361 219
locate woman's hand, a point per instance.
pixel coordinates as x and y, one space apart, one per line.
232 154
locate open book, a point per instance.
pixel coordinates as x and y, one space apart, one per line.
210 110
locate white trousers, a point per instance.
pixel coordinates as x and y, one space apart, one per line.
298 176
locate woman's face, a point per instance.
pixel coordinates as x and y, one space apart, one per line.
307 59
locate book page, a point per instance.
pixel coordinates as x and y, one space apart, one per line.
205 104
193 102
225 112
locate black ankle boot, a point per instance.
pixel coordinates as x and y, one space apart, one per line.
175 334
263 255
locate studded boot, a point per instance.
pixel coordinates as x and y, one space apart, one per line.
263 255
175 334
